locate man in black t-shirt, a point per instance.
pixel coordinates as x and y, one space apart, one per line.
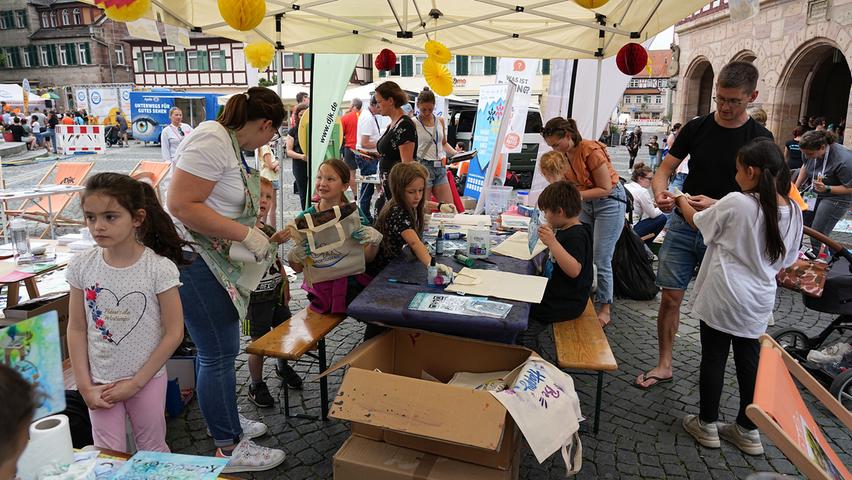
17 130
711 142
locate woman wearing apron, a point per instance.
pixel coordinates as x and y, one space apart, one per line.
214 194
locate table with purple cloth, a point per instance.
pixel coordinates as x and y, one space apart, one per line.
386 303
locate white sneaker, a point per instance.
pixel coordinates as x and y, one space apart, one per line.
251 428
704 433
251 457
748 441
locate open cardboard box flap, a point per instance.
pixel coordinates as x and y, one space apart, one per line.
420 407
385 386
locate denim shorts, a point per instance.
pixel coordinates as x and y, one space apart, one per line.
682 250
437 175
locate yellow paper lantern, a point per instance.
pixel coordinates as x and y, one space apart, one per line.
438 52
438 77
260 54
591 3
128 13
242 14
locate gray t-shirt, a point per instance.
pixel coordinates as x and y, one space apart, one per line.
123 324
836 169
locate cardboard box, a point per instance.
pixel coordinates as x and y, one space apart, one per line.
389 394
361 458
53 301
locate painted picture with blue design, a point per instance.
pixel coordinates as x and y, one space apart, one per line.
489 114
171 466
32 348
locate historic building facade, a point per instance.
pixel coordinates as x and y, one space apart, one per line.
803 49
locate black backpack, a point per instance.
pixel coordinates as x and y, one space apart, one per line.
632 274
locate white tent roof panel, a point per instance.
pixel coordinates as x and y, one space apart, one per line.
522 28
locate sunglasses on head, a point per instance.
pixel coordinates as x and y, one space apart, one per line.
549 132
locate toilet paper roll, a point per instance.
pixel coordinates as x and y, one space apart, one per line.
49 446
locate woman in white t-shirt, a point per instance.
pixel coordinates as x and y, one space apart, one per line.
750 236
215 195
173 134
647 218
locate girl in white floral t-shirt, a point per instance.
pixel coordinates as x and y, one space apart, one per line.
126 318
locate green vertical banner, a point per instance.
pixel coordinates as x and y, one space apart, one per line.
330 75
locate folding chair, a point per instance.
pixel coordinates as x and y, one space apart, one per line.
781 414
48 209
151 171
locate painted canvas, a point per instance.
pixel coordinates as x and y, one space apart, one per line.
171 466
31 347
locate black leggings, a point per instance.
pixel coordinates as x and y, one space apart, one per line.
715 346
300 171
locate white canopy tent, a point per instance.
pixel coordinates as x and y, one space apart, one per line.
521 28
13 95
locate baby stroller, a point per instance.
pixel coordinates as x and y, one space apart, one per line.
111 136
836 299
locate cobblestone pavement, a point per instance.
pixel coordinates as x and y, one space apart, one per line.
640 433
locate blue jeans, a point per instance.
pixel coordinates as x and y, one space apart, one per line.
51 134
365 195
678 181
650 225
606 217
213 323
683 249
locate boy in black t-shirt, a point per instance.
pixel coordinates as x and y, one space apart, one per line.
267 309
569 264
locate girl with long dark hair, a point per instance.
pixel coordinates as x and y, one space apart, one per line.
750 235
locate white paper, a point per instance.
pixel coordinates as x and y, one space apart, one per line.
517 246
511 286
239 253
144 29
461 219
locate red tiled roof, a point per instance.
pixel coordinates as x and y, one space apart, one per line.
642 91
660 60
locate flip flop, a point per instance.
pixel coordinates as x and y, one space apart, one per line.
646 377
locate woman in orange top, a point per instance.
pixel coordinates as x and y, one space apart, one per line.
586 164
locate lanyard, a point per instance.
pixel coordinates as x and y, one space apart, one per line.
824 162
433 137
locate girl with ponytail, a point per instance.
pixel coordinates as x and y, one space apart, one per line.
125 311
750 236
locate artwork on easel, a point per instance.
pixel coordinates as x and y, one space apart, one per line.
31 347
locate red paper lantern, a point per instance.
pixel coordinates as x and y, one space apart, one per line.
385 60
632 59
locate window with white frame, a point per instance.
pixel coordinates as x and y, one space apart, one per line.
658 99
85 54
171 61
21 19
63 54
77 17
627 99
4 24
149 61
634 83
52 19
452 66
292 60
217 60
66 17
45 55
476 65
26 54
45 23
119 55
418 65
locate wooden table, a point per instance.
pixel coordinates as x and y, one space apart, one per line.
29 273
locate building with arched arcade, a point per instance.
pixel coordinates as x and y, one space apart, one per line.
802 48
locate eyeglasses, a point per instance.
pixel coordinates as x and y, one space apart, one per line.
734 102
646 177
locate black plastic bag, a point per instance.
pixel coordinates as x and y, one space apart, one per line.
632 274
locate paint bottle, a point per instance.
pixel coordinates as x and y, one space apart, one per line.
439 240
463 259
433 279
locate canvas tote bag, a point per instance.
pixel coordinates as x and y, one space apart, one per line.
334 253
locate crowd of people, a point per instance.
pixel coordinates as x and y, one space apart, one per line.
720 186
37 129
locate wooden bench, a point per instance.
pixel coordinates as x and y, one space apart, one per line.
297 336
581 344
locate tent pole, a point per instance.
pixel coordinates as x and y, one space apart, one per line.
597 98
576 64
